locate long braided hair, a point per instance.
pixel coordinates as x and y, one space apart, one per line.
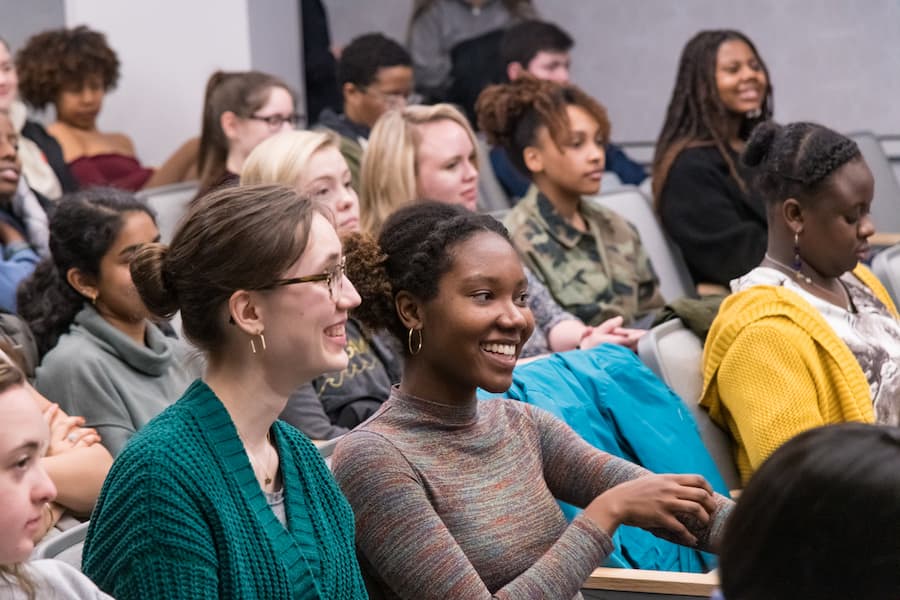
696 115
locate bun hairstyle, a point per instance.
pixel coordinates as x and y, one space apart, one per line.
82 229
511 114
238 238
413 252
795 160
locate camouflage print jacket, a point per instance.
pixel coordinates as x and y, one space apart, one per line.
594 275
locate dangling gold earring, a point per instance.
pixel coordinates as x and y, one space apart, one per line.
262 341
409 341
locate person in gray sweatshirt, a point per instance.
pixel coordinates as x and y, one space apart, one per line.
102 357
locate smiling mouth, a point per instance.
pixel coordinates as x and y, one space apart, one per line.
500 349
336 331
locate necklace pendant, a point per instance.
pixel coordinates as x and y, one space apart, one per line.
268 480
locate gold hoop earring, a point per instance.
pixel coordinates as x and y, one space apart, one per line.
409 341
262 341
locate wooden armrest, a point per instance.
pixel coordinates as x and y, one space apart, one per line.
658 582
884 238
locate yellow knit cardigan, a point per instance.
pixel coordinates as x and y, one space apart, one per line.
773 367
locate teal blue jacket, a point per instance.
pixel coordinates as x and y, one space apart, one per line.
619 406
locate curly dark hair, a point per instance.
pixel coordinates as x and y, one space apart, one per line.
60 59
511 114
696 114
796 160
82 229
413 252
362 57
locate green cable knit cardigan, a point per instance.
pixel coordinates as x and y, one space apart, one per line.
181 515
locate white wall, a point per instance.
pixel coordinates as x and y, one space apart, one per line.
834 61
167 49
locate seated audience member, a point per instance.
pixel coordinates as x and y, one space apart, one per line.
19 258
240 109
375 75
42 162
819 520
26 492
437 26
73 69
216 498
542 50
102 358
700 190
334 403
483 518
430 152
809 337
589 257
74 459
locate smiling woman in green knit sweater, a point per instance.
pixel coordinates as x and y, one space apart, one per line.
456 498
214 498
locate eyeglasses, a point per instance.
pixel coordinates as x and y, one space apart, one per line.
396 100
277 121
333 278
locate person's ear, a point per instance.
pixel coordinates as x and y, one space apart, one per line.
514 70
229 123
84 284
409 309
245 312
792 212
533 158
351 93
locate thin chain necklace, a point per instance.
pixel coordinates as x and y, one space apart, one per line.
844 299
268 470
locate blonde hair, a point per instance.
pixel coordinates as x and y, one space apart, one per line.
283 157
389 166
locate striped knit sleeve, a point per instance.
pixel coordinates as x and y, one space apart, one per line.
407 543
577 473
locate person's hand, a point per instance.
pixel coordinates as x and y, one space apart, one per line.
655 502
611 331
9 234
67 432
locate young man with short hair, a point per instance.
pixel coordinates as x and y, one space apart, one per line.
375 75
542 50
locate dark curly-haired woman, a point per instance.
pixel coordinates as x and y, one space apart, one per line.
72 70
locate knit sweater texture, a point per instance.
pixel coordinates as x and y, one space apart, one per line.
460 501
97 372
773 368
182 515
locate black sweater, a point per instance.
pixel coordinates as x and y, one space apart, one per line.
721 230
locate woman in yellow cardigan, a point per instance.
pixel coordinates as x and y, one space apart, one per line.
809 337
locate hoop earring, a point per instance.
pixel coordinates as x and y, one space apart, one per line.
262 341
409 341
